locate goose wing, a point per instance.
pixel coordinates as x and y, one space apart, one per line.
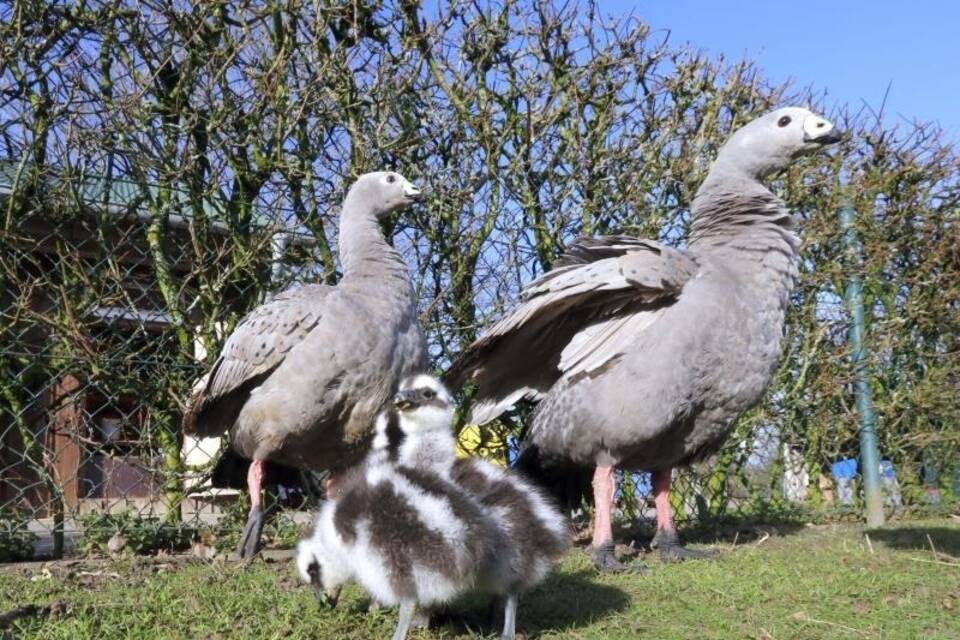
574 320
257 346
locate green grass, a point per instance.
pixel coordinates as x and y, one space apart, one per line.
806 582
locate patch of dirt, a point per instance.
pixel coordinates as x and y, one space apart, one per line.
90 572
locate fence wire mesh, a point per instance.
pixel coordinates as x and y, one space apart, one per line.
152 195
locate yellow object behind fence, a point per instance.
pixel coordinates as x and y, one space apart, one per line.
484 442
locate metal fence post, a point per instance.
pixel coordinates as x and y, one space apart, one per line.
869 457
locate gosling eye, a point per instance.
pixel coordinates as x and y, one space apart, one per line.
391 178
428 394
784 121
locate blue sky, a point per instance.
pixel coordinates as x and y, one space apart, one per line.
851 48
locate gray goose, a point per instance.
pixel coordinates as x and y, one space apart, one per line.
641 355
303 376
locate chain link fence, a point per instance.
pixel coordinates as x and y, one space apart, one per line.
165 167
95 375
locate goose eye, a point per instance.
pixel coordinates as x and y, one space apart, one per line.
391 178
429 394
784 121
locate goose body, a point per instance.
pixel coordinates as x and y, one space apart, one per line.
302 377
404 537
642 355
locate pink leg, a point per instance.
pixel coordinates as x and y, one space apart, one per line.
661 498
250 538
603 488
602 547
332 483
255 483
666 538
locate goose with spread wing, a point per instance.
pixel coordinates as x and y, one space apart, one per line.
641 355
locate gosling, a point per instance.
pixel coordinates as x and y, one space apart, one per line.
536 532
407 536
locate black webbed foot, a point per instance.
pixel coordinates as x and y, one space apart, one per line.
606 562
250 538
672 551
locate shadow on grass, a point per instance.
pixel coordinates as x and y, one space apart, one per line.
741 531
915 539
716 531
564 601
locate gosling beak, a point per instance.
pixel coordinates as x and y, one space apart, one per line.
820 131
412 192
324 598
405 400
327 599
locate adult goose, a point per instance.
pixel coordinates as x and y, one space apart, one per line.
302 378
643 356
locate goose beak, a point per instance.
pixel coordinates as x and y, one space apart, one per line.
820 131
405 400
412 192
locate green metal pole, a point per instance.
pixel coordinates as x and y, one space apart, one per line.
869 457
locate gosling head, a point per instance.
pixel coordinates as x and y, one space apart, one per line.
310 563
423 405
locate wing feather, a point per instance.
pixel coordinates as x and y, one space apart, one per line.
574 320
257 346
